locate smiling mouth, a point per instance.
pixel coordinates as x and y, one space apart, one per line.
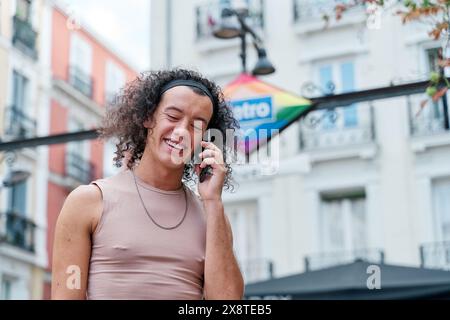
174 145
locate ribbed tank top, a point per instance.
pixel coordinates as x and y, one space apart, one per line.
132 258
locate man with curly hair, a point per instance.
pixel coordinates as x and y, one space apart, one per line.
143 233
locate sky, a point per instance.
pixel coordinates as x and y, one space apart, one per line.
124 25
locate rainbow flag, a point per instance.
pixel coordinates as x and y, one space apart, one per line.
260 108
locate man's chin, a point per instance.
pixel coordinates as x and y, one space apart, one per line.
173 162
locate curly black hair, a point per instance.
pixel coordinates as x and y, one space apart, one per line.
137 103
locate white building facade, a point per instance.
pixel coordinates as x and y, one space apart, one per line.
23 256
375 183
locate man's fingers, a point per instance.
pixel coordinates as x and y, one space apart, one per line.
208 162
208 153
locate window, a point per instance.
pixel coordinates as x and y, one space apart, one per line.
115 80
78 165
244 221
19 122
17 199
433 59
441 208
246 240
80 54
24 36
226 3
20 90
348 85
209 15
81 65
80 148
6 288
23 9
343 223
436 111
338 78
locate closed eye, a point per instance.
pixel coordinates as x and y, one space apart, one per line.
172 117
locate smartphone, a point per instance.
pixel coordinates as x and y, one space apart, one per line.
206 171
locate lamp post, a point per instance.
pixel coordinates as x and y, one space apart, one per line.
228 30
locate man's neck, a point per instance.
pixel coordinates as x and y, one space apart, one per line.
152 172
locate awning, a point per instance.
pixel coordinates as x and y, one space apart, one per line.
350 282
262 107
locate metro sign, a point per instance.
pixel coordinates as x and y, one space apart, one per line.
254 110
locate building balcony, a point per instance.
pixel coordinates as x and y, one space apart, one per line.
427 120
435 255
315 15
78 169
308 10
24 37
81 81
254 270
329 259
19 125
343 126
18 231
209 16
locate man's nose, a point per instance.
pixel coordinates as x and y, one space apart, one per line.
180 132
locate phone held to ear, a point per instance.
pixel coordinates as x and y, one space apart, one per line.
206 171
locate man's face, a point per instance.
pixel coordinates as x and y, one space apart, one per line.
180 115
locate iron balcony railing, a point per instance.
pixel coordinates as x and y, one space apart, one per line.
310 10
254 270
78 168
428 119
209 16
17 230
342 126
329 259
24 37
435 255
18 124
81 81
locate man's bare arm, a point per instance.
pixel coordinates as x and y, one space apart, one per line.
223 278
72 243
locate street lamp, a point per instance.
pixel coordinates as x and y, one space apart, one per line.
229 30
15 177
263 65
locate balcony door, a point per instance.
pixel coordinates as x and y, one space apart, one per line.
17 199
80 71
338 78
78 153
441 208
343 229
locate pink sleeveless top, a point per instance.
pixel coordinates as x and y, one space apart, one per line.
132 258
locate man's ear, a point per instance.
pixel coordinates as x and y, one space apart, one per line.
148 123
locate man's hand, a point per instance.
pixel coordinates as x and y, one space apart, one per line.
211 188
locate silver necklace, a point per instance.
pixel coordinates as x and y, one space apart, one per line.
149 215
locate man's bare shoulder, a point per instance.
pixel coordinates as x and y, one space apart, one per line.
83 206
85 195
